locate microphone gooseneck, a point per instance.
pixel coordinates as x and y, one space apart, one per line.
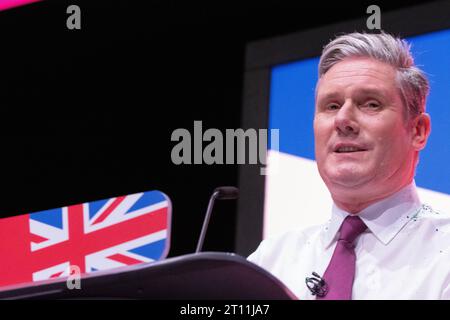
220 193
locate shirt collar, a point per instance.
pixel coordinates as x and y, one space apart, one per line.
384 218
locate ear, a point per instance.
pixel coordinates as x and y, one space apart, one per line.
421 129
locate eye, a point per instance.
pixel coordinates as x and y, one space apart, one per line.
372 105
332 106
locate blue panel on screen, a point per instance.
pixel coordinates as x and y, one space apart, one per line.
292 107
432 54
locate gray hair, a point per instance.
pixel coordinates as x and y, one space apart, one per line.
412 82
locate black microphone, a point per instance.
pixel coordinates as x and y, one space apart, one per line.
220 193
317 285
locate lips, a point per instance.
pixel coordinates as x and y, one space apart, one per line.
349 148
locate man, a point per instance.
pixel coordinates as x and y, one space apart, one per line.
369 126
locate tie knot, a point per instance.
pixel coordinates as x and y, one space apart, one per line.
351 228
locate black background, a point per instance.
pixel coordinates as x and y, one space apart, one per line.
88 114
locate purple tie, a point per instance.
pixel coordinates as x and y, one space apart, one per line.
341 270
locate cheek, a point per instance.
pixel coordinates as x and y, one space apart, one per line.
392 144
321 131
319 142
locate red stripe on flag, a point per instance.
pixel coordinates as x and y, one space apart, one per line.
15 250
109 210
37 239
56 275
124 259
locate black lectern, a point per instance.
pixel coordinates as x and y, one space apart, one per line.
203 276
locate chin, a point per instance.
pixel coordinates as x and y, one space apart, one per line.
346 178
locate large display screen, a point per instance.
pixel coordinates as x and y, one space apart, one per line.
295 193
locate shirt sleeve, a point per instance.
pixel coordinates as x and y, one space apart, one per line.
256 256
446 293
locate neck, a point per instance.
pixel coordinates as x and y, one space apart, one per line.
355 205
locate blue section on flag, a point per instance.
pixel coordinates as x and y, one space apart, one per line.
153 250
52 217
147 199
95 206
292 107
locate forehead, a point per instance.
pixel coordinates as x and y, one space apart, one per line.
358 74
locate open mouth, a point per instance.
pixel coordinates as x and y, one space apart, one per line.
348 149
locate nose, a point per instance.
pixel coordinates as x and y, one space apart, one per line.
345 120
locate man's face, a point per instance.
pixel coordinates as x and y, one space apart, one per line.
362 142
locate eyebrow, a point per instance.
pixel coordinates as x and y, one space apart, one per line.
371 91
329 95
362 91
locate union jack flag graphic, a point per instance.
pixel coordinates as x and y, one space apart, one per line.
93 236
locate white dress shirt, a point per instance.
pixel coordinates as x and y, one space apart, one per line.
403 254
